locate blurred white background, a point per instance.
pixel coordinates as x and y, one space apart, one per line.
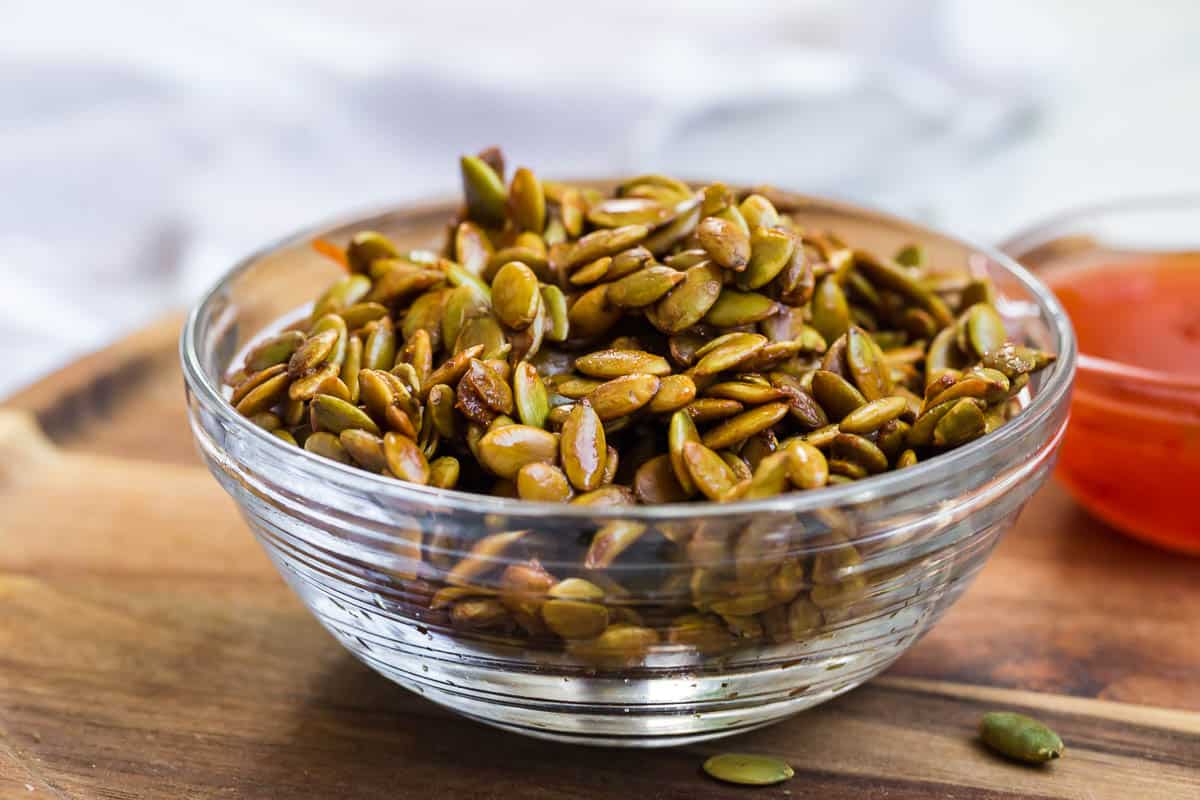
146 145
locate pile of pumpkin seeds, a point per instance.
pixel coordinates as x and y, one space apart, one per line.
659 343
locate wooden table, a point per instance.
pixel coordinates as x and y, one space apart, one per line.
148 649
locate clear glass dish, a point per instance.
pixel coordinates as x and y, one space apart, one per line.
824 589
1142 484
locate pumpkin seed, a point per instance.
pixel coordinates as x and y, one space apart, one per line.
689 301
483 191
748 770
644 287
727 243
583 447
1020 737
622 396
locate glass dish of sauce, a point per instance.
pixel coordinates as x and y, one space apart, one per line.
1129 277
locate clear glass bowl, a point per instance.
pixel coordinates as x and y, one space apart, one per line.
1104 469
824 589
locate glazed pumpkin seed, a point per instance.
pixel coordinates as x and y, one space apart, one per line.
771 252
591 273
542 482
314 351
264 395
748 770
644 287
610 541
267 420
254 381
622 396
527 201
707 471
529 395
807 466
677 230
681 431
830 311
619 211
861 451
601 243
620 645
734 309
865 363
574 619
505 450
1020 737
1014 360
335 415
835 395
312 382
686 258
364 447
615 363
709 409
327 445
583 447
907 458
592 315
759 212
444 472
674 392
286 436
367 247
483 191
744 425
655 482
689 301
873 415
275 350
984 329
727 243
963 422
557 326
726 352
404 459
515 295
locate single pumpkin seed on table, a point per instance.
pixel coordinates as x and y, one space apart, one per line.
660 343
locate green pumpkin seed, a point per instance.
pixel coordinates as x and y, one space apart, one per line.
744 425
748 770
315 350
835 395
727 243
963 422
592 314
615 363
873 415
772 250
758 212
623 396
515 295
734 309
830 311
676 230
674 393
529 395
620 211
557 318
483 190
583 447
275 350
327 445
526 201
542 482
689 301
644 287
404 459
1014 360
367 247
807 466
707 470
364 447
505 450
335 415
1020 737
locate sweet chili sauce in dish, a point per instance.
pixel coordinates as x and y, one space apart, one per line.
1132 449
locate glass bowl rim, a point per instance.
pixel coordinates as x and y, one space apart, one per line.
1052 394
1038 232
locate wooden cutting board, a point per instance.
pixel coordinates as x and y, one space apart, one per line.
149 650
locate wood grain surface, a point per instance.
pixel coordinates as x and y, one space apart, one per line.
149 650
